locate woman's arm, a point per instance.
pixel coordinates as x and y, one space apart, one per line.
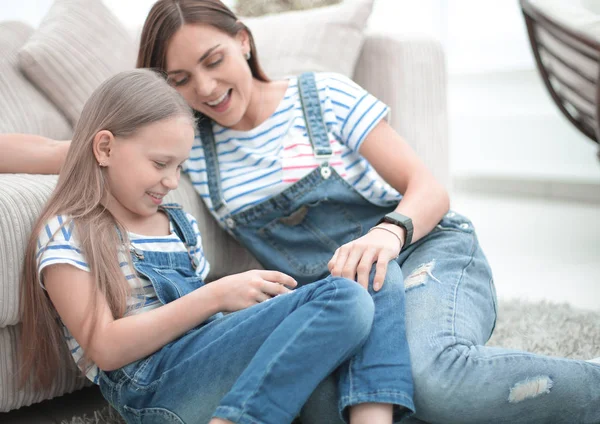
31 154
112 343
424 199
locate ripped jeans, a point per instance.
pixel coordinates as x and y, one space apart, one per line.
450 315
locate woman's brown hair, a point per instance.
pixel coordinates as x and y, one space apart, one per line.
167 16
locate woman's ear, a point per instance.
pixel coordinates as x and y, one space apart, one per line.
243 37
102 146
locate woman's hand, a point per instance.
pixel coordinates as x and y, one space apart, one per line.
354 260
32 154
240 291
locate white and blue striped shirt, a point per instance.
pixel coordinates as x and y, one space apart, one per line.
258 164
57 244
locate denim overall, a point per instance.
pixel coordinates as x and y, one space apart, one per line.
170 272
450 303
297 231
258 365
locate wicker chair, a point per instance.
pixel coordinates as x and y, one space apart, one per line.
569 63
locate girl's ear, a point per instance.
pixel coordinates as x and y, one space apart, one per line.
102 146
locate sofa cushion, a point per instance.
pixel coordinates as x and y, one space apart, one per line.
78 44
323 39
24 108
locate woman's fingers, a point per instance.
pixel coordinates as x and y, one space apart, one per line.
364 267
349 268
381 269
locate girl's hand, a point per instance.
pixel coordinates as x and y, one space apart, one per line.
240 291
354 260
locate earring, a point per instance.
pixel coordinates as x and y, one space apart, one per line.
248 56
102 164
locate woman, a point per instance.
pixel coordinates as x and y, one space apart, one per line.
307 214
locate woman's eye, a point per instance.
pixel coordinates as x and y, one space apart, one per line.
214 63
177 82
160 165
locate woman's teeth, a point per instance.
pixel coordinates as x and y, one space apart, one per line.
219 100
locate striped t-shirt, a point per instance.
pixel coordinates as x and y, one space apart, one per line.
258 164
57 244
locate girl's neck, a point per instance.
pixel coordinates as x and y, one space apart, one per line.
156 224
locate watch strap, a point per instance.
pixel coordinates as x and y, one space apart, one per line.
402 221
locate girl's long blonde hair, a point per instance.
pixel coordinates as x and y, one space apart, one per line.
122 105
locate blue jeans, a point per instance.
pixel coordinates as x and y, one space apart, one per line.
450 315
257 365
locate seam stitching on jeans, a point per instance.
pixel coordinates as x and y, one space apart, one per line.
455 294
270 365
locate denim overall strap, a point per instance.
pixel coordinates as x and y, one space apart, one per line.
311 108
213 174
183 228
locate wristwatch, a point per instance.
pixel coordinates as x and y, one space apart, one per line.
401 221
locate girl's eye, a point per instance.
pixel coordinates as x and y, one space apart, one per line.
160 165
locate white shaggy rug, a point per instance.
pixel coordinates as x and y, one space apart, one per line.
545 328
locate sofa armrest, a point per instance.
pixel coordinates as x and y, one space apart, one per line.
409 75
22 198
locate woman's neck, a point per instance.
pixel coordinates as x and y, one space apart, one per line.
266 97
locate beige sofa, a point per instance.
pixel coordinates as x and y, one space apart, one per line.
47 73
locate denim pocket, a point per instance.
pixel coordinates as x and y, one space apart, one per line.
308 236
169 284
135 371
150 416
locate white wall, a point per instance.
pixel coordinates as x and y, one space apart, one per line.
503 123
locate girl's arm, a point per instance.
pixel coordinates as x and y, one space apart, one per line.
112 344
31 154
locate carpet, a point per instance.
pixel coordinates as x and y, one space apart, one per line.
541 327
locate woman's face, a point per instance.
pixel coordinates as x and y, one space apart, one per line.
209 69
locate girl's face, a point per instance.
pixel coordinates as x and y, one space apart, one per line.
209 69
144 167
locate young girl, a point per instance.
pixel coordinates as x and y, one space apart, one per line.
306 210
125 273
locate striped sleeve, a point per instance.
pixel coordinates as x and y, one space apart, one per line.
203 267
57 245
357 111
